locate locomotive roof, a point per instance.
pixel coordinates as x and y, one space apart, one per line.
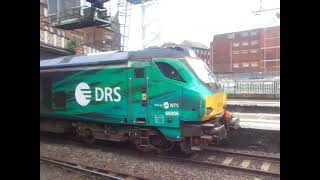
119 57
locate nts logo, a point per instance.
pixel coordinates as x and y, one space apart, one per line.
83 94
166 105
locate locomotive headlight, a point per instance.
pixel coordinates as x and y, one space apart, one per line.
209 110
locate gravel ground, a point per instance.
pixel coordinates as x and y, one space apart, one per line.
253 141
134 164
50 172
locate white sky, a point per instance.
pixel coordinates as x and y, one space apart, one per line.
200 20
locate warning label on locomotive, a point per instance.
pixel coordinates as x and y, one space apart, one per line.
159 119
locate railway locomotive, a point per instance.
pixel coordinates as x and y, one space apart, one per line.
154 98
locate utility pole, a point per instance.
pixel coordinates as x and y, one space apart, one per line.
143 27
150 29
261 10
264 51
265 10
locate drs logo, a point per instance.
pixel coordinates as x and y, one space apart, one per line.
83 94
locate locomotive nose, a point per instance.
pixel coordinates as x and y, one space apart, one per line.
215 105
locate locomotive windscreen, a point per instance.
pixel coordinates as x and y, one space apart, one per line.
201 70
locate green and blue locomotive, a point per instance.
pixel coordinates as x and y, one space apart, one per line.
154 98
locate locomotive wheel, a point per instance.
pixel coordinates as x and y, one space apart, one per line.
88 137
83 136
143 148
224 142
156 143
185 146
161 144
140 148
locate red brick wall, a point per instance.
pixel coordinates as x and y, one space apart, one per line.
43 19
263 55
221 58
44 22
91 36
270 49
94 36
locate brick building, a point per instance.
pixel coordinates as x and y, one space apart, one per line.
201 50
250 51
56 42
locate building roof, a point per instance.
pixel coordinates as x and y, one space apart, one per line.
244 30
192 44
114 57
169 44
55 49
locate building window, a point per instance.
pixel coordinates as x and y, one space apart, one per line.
235 65
235 52
253 33
45 12
253 51
236 44
245 43
230 36
254 64
244 51
244 34
254 42
270 63
245 64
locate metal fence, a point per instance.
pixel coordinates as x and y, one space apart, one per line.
247 76
252 87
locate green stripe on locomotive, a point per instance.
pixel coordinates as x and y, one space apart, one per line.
170 102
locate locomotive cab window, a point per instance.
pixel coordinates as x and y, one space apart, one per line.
139 73
169 71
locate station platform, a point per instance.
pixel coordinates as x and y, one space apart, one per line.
253 102
253 106
263 121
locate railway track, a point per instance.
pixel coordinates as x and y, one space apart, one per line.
262 165
244 162
225 151
105 174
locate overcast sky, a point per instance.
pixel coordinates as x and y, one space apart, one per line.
200 20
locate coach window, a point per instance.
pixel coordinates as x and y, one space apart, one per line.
139 73
169 71
60 100
46 89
